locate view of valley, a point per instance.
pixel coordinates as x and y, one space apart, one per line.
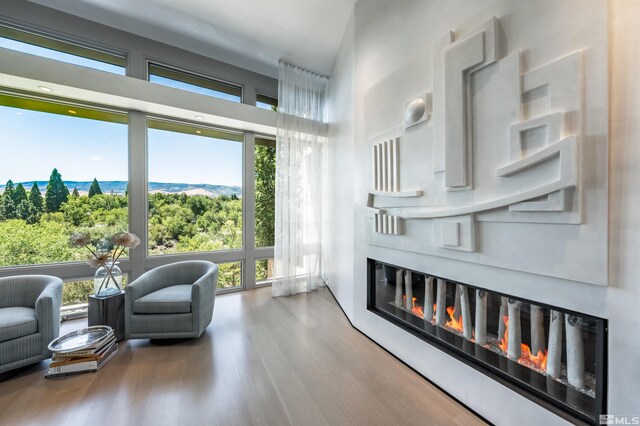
35 223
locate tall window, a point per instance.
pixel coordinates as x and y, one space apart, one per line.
49 47
52 155
195 188
194 83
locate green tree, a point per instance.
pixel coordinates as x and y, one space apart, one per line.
57 193
36 204
8 205
94 189
19 194
265 195
75 193
21 202
35 198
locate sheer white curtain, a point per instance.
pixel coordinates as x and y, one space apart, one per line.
299 146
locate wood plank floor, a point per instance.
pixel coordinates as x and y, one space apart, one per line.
263 361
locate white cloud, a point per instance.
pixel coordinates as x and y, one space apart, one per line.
95 158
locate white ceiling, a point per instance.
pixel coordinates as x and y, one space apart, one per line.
252 34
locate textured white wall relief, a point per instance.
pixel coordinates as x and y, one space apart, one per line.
463 57
385 166
501 145
387 224
455 233
417 110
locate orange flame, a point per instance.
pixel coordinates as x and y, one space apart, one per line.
454 323
504 341
415 308
526 358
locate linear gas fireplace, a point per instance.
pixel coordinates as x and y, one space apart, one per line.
544 352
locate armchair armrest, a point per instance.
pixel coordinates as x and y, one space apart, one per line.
47 307
203 293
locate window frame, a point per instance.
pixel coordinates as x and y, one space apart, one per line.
68 45
196 75
262 96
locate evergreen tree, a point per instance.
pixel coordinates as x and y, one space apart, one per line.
36 204
21 202
35 198
95 188
23 210
19 194
75 193
9 189
9 207
57 193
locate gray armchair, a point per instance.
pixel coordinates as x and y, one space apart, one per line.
171 301
29 318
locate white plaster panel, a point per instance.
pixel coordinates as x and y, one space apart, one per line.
455 233
498 95
458 60
551 126
438 99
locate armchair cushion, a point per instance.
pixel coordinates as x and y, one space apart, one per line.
17 322
175 299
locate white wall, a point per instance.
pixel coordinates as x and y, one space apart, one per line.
386 36
342 201
623 294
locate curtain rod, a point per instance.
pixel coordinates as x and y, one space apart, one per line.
284 61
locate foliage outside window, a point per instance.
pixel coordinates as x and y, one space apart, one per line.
77 292
229 275
265 192
47 166
264 270
46 46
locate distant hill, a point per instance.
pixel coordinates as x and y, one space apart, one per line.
119 187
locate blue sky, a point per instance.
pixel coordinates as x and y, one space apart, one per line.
33 143
178 157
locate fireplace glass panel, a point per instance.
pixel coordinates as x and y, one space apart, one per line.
546 351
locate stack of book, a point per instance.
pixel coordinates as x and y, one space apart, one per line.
89 359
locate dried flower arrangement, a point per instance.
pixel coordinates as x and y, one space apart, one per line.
106 252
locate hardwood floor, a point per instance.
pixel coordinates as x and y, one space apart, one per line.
263 361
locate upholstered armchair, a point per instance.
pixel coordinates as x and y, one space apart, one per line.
29 318
171 301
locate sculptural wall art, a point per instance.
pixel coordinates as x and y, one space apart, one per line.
491 147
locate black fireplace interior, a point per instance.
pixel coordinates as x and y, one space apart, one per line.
553 356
